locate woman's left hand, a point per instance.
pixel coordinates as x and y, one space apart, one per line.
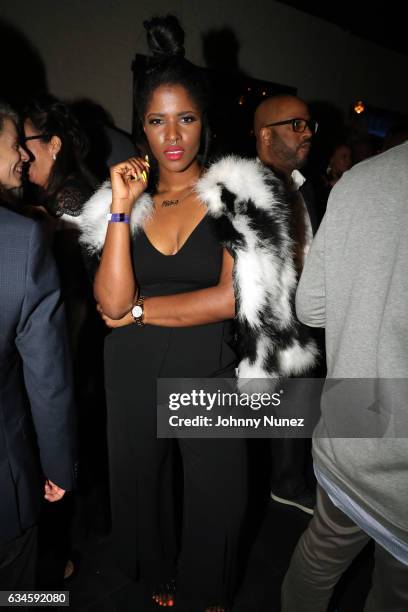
113 323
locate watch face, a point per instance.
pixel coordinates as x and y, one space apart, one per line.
137 311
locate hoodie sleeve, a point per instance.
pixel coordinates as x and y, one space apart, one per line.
311 293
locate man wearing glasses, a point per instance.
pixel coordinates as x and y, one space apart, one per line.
284 131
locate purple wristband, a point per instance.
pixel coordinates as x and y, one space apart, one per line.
118 218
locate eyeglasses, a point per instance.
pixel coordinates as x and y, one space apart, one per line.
24 139
298 125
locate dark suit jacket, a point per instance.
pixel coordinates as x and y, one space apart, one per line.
308 192
37 436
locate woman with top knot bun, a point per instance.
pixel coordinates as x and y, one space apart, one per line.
190 253
164 286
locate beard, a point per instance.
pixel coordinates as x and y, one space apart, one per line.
293 158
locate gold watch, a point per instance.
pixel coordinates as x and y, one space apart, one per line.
138 311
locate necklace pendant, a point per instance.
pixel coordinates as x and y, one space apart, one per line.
166 203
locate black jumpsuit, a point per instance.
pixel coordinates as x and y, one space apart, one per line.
214 470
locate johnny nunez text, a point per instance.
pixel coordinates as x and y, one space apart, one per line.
204 421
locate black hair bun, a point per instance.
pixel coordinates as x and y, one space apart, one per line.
165 37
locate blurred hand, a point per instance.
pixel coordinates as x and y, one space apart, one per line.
53 493
129 180
113 323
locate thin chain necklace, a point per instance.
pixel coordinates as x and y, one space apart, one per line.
176 202
167 203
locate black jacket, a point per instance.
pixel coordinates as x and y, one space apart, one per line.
37 420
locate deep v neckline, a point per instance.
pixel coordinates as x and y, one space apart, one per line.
187 240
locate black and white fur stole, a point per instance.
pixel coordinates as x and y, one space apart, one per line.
251 213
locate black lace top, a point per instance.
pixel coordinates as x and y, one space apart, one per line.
70 198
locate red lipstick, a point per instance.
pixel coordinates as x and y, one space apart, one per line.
174 153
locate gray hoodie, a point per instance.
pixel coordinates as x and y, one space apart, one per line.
355 284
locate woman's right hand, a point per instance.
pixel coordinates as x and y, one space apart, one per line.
128 319
129 180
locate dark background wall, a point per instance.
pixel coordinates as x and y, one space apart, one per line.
85 48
